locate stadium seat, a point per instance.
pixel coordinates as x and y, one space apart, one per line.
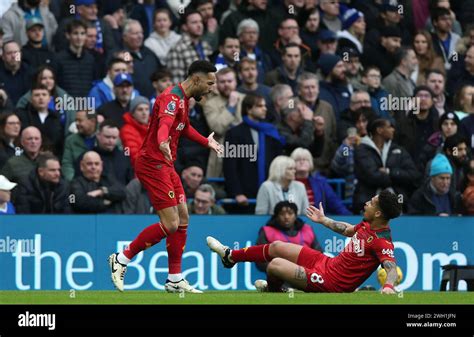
454 273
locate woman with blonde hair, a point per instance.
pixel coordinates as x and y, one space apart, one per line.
317 187
281 185
426 55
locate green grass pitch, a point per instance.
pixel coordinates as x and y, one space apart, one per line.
230 297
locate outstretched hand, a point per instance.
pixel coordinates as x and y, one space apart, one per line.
215 145
314 213
165 148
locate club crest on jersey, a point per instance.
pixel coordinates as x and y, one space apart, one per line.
180 126
171 108
171 194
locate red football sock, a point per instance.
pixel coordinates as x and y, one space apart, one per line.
147 238
252 254
175 246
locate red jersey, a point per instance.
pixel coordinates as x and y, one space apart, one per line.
169 119
360 258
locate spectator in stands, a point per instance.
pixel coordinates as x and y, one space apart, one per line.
6 206
204 202
435 196
464 101
443 4
114 16
449 125
43 191
75 64
353 30
280 186
248 76
86 11
20 165
191 177
45 75
308 93
14 20
289 70
115 162
327 43
383 54
103 91
163 38
414 129
34 52
262 139
456 150
189 48
462 73
14 74
134 130
281 94
444 39
78 143
93 191
358 115
333 87
317 187
399 83
143 12
372 79
248 33
90 47
310 32
436 81
6 104
468 191
144 60
288 33
48 121
353 68
330 15
228 56
160 79
10 126
222 111
427 57
123 91
211 27
380 163
286 226
467 127
137 200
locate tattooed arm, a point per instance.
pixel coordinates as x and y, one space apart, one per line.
317 215
391 269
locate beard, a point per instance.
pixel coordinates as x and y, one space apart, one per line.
198 98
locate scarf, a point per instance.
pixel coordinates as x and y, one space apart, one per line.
264 130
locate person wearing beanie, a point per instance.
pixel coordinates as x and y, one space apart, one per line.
353 33
448 125
134 130
333 86
435 197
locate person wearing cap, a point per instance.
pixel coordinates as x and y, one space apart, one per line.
400 83
326 43
383 53
435 197
134 129
76 66
123 89
35 53
353 30
333 86
449 124
13 21
6 206
116 161
420 122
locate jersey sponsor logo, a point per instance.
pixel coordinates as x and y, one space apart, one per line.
180 126
316 278
388 252
356 243
171 194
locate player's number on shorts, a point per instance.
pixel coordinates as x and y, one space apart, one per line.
316 278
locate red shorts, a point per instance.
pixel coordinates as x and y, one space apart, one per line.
314 264
161 181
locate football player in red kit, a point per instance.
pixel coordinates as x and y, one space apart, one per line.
310 270
155 170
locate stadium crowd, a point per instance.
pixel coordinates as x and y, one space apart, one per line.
374 93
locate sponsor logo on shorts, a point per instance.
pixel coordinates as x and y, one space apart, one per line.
316 278
171 194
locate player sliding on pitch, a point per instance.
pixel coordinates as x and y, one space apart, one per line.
310 270
155 170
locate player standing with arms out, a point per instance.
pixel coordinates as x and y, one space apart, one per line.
312 271
155 170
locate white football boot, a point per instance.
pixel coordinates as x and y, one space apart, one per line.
221 250
182 286
117 271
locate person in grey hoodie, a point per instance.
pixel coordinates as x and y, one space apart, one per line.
381 164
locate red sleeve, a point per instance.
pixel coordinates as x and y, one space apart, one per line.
166 111
164 129
358 226
191 133
383 250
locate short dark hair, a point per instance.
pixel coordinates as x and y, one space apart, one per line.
389 205
43 158
159 74
402 53
366 70
162 10
187 13
249 101
453 141
435 71
439 12
376 123
109 123
114 60
201 66
290 45
75 23
39 86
